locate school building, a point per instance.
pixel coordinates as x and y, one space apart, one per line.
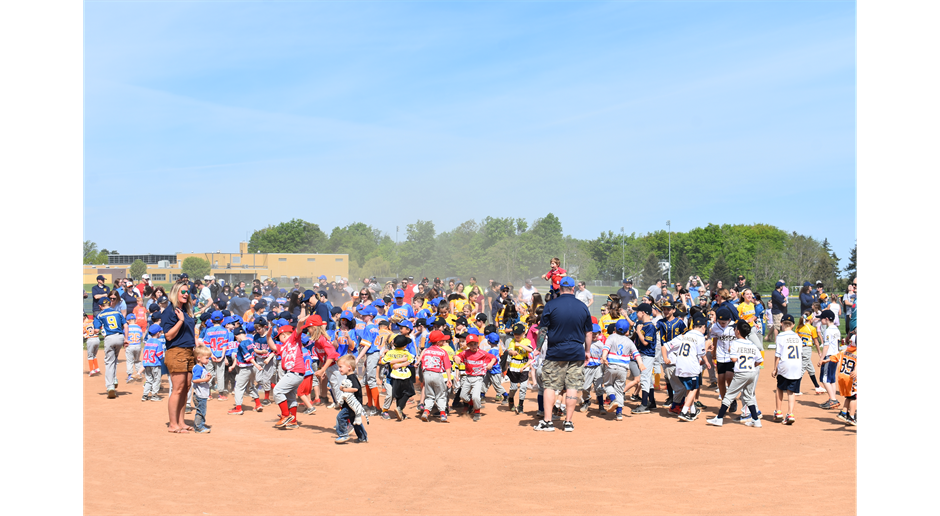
231 267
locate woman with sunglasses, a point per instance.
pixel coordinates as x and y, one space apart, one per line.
179 327
614 313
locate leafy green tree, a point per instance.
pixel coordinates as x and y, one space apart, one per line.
139 268
294 236
89 252
651 270
682 270
196 267
720 272
358 240
418 247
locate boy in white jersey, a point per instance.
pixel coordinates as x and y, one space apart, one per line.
788 368
747 359
593 372
689 357
831 338
617 353
721 334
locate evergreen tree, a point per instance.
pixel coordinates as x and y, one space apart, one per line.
721 272
651 271
851 268
683 270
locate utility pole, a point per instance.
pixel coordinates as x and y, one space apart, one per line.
668 225
397 261
623 261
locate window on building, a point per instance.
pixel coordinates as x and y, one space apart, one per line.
174 277
236 259
311 259
339 259
282 259
158 277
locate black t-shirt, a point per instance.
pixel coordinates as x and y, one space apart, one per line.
356 385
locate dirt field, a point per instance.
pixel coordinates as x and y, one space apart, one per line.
646 464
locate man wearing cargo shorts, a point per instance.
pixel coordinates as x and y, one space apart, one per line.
568 326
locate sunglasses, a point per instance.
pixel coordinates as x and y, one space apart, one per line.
184 292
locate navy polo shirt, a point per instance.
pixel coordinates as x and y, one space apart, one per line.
776 303
95 290
186 337
568 320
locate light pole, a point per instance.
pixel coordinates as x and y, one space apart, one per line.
623 263
668 225
397 260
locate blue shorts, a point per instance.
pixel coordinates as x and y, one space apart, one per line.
785 384
828 372
690 383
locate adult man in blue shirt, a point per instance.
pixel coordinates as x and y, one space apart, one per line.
98 292
778 308
568 326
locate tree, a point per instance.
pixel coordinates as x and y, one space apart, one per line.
294 236
196 267
683 270
720 272
89 252
651 270
139 268
852 268
358 240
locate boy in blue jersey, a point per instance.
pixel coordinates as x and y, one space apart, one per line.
494 376
593 372
646 345
216 338
617 353
135 337
669 327
111 323
246 370
152 359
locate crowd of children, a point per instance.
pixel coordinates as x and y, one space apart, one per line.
396 351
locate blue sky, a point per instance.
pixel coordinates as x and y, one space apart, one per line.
606 114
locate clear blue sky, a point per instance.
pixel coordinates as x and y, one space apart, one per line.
607 114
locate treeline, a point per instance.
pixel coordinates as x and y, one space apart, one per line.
509 249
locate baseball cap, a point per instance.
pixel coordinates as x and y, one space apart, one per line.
625 280
401 341
250 327
368 311
238 331
145 276
473 331
304 338
596 328
100 277
307 295
322 293
828 314
163 299
228 320
103 301
807 284
740 277
206 277
420 321
347 315
271 316
481 317
155 329
184 276
623 325
787 318
493 338
285 328
518 329
154 308
399 293
645 308
723 314
383 322
473 338
261 321
438 336
666 304
406 324
461 321
567 281
313 320
379 302
216 315
819 283
699 320
205 317
322 276
780 284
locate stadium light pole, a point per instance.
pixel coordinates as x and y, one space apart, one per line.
668 225
623 263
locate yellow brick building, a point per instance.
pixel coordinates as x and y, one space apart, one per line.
231 267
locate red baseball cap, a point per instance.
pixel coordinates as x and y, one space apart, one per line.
285 329
473 338
437 336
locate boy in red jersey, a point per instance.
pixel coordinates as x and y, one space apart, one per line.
436 367
476 362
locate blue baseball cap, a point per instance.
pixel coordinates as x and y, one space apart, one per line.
238 331
261 321
399 293
100 277
250 327
723 314
155 329
347 315
369 310
474 331
596 328
304 338
406 323
280 322
217 316
621 325
379 302
493 338
228 320
130 317
184 276
103 301
307 295
322 276
283 291
567 281
271 316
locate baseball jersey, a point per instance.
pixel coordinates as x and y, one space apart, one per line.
747 354
217 338
292 355
518 356
847 360
135 336
324 350
689 353
200 390
723 346
605 321
401 373
620 349
495 369
111 320
595 353
647 347
152 354
245 352
669 330
476 362
435 360
88 328
832 337
747 312
346 341
555 277
807 334
790 351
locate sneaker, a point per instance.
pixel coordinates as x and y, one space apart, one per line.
112 394
222 397
789 420
362 441
517 409
156 397
444 418
753 422
695 414
699 405
771 346
341 440
283 421
619 417
585 406
569 426
841 416
798 393
398 413
687 416
715 421
778 415
539 414
849 420
205 430
260 408
634 397
237 411
385 415
476 416
189 409
544 426
145 398
820 390
310 411
827 405
130 378
675 410
332 405
292 425
267 402
734 406
613 406
642 409
426 416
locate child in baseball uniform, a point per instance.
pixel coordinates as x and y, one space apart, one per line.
152 359
788 368
747 359
616 355
216 338
520 351
292 362
437 367
494 376
831 338
245 376
135 337
721 335
263 357
92 341
201 379
689 357
398 360
810 336
593 372
476 362
848 381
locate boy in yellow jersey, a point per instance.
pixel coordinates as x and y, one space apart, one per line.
383 342
520 351
398 360
810 337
